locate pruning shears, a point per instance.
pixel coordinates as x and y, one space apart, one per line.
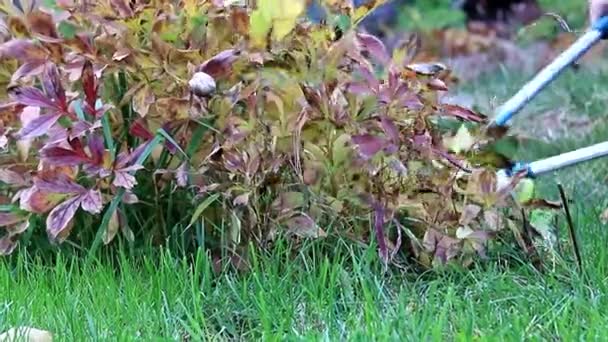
515 104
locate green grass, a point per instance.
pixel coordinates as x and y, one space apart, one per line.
347 295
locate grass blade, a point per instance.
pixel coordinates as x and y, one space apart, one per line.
107 135
201 208
197 138
170 139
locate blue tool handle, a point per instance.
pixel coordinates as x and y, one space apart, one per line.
514 105
560 161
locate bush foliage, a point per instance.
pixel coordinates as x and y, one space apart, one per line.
261 123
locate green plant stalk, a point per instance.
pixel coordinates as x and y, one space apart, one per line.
107 134
158 139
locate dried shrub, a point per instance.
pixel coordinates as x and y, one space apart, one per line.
260 122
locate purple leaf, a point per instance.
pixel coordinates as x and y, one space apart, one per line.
359 88
447 248
132 168
369 144
367 74
27 70
34 200
60 217
390 128
451 159
124 159
7 219
30 96
80 128
374 47
23 50
233 162
181 175
38 126
97 148
390 149
393 81
7 245
60 185
59 156
52 85
124 180
11 177
19 228
379 227
122 8
411 101
130 198
304 226
92 201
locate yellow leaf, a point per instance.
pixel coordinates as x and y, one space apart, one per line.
462 141
259 25
282 27
278 15
360 12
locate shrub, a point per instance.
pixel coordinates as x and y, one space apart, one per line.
253 121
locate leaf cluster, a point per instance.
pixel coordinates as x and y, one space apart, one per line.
265 123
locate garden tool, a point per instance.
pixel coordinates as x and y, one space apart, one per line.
514 105
558 162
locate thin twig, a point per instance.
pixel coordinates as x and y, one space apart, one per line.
571 229
529 243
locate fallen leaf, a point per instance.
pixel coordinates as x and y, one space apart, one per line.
604 217
304 226
142 100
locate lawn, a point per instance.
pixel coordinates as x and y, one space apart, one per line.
345 295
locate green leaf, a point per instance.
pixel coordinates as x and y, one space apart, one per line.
543 222
67 30
202 207
343 22
524 191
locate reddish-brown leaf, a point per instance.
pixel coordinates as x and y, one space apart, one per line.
220 65
463 113
89 84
